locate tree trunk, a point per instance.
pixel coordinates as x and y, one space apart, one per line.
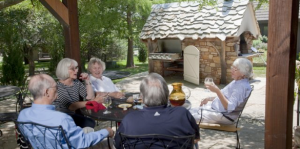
130 60
31 62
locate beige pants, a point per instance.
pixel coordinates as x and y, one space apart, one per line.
102 144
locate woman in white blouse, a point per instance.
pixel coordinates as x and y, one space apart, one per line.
102 85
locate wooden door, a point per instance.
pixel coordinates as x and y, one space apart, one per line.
191 64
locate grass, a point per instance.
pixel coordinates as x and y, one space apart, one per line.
142 67
259 71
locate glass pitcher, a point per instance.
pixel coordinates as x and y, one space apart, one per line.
177 96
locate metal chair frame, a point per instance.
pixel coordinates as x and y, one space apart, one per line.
228 128
148 141
35 134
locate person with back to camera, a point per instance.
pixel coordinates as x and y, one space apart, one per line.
157 117
44 91
102 85
231 98
70 90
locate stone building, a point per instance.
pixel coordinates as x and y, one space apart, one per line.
218 36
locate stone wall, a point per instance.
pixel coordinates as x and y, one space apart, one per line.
249 38
210 62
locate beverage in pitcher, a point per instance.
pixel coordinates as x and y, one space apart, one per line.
177 96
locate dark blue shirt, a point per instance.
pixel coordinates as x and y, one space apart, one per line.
174 121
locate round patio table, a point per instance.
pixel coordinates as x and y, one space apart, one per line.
117 114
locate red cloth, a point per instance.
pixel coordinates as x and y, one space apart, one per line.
94 105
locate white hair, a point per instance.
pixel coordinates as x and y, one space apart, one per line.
154 90
38 85
244 66
62 69
98 61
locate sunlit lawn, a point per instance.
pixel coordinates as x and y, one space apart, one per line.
140 67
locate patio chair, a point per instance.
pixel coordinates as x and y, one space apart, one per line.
227 128
43 137
149 141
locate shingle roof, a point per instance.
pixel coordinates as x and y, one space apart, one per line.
262 14
185 20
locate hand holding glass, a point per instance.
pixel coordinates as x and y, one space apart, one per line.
106 103
122 90
208 81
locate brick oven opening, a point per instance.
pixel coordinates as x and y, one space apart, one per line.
169 46
243 45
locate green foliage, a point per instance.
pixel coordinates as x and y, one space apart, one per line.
12 48
261 43
264 39
142 54
12 68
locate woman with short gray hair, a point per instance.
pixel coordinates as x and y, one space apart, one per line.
70 90
103 86
231 98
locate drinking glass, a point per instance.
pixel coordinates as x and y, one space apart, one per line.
208 81
107 103
136 98
122 90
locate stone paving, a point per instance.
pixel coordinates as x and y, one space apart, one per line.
251 122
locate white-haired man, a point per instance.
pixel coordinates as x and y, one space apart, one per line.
157 117
44 91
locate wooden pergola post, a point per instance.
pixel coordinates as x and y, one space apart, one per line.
282 44
66 12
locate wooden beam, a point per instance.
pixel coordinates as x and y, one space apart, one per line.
71 33
150 61
223 63
58 10
282 44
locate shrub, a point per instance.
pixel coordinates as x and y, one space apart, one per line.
142 55
261 43
13 69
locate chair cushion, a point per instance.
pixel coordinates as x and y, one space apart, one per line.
230 128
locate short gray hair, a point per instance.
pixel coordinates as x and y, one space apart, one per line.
98 61
154 90
244 66
62 69
38 85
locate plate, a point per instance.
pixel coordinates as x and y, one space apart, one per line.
124 105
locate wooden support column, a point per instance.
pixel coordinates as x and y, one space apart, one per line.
282 44
66 12
58 10
71 32
223 63
150 61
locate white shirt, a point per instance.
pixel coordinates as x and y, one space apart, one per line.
236 92
104 85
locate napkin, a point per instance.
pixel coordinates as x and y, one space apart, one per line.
94 106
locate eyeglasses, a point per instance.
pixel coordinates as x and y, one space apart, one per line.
234 68
74 68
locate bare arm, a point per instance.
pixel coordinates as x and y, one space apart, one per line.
89 88
77 105
205 100
112 94
222 98
81 104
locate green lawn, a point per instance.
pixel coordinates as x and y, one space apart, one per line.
140 67
259 71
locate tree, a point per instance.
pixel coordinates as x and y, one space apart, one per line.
126 17
11 43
